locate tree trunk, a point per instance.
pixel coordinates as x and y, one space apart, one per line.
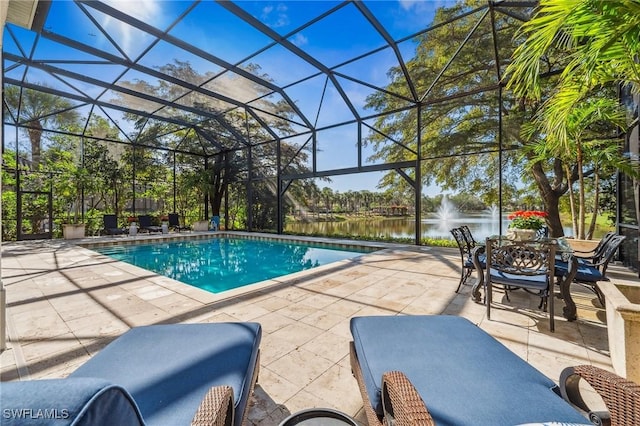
551 193
572 204
35 137
581 211
596 201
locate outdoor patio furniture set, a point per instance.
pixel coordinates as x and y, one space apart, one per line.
411 370
534 266
144 224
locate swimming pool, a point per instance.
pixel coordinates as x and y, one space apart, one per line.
224 263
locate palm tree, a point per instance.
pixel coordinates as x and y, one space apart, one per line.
38 111
582 153
601 43
600 38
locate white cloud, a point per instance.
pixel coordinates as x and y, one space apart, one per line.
275 16
144 10
299 39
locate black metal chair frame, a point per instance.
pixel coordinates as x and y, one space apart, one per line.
174 223
145 224
111 227
512 264
595 255
607 252
466 243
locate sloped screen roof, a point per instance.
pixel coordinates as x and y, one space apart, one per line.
234 74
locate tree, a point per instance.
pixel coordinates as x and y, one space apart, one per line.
460 119
223 142
37 111
592 147
602 41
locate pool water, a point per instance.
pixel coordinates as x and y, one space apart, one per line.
221 264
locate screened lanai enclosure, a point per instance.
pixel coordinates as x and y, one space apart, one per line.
246 109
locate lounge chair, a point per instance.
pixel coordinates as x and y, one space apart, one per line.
145 224
111 225
174 223
174 374
444 370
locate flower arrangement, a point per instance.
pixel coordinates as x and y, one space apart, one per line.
132 219
164 218
527 219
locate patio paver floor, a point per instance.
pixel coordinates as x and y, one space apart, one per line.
65 303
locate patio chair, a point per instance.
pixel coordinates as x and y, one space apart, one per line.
521 264
468 236
594 255
145 224
174 223
444 370
588 274
172 374
465 255
111 227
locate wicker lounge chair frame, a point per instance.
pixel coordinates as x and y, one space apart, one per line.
621 396
403 403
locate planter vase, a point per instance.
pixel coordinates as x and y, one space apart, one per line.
72 231
521 234
201 225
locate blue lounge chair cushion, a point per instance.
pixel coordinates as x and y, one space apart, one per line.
169 369
464 375
62 402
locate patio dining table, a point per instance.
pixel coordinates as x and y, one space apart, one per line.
566 267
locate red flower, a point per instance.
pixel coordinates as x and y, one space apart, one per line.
527 219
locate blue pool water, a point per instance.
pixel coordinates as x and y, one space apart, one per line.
221 264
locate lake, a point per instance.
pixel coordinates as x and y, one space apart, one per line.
434 225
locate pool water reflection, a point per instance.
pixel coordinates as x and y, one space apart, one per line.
221 264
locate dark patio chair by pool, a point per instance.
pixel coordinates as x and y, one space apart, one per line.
445 370
174 223
172 374
145 224
465 248
521 265
468 236
111 225
587 273
593 256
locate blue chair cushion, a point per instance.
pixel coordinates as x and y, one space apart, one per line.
585 273
535 282
468 263
168 369
62 402
464 375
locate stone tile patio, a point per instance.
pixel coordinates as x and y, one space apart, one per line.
66 302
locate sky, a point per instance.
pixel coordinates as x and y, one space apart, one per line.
332 40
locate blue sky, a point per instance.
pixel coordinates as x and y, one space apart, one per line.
339 37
